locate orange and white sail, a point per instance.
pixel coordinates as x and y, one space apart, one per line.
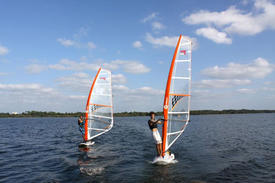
99 108
176 107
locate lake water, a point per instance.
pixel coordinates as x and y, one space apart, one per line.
214 148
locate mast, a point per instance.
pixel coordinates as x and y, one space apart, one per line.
166 99
88 104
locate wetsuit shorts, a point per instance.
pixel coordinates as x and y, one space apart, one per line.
81 129
157 137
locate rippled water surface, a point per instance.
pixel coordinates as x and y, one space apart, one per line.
214 148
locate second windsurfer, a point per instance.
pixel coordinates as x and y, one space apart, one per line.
81 125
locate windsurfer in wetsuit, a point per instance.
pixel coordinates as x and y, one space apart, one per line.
81 125
153 125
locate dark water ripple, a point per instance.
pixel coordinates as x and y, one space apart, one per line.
214 148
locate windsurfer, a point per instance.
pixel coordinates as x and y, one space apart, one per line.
153 125
81 124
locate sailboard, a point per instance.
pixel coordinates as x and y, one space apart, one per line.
176 106
99 107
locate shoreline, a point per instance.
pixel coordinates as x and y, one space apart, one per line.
130 114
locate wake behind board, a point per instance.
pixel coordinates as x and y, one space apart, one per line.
86 144
167 159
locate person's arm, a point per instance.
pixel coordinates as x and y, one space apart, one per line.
160 121
80 123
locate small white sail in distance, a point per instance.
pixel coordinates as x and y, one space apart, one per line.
99 107
176 107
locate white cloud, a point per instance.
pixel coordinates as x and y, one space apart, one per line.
246 91
66 42
214 35
76 43
120 87
168 41
66 64
160 62
269 83
35 68
269 89
37 97
145 90
157 26
91 45
34 88
220 83
236 21
149 91
137 44
259 68
78 97
139 99
133 67
3 73
149 17
162 41
80 82
3 50
119 78
129 66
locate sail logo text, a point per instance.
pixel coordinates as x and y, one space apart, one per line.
183 52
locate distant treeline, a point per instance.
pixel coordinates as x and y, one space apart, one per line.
42 114
230 111
126 114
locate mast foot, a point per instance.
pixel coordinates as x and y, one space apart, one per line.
167 159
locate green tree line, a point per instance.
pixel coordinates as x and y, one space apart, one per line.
126 114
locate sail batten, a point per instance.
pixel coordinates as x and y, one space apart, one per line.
97 129
183 61
176 107
102 95
99 108
106 117
102 105
178 77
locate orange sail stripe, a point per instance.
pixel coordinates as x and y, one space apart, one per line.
87 106
102 105
166 99
175 94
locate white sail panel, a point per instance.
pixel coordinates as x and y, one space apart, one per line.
179 93
100 105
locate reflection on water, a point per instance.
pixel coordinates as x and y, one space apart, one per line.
86 162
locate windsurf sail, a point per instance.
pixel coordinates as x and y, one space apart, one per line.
176 107
99 108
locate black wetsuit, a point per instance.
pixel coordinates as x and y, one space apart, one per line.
80 122
152 124
81 125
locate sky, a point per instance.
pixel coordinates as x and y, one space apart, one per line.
50 52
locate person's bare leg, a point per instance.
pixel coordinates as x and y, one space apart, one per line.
160 148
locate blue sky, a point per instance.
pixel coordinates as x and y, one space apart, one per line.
50 52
